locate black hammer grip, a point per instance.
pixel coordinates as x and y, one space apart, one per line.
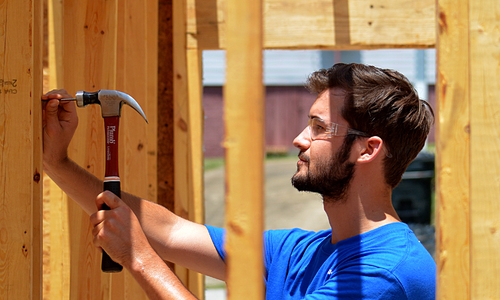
107 264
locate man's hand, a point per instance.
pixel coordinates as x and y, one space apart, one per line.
119 232
59 124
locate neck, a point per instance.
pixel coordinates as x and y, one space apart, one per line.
361 210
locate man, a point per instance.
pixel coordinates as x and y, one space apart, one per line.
365 127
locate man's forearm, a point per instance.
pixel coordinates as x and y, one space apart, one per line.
83 188
157 280
173 238
77 183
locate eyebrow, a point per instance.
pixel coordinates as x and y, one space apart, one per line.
316 117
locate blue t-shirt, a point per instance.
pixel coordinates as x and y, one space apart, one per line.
385 263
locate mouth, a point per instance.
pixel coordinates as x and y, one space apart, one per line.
303 158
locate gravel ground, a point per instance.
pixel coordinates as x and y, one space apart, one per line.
285 206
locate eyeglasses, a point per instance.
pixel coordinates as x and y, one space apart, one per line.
319 130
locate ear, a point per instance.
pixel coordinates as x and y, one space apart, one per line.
370 149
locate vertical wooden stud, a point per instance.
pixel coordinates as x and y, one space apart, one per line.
188 136
180 120
244 143
484 84
151 79
36 119
56 265
20 149
196 202
132 55
453 149
165 160
89 60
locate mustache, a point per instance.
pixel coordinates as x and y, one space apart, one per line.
303 156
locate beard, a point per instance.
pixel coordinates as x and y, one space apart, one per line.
332 177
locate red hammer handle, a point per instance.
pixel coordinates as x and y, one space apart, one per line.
111 179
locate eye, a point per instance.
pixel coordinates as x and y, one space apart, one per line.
318 126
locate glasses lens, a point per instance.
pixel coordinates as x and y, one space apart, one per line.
317 128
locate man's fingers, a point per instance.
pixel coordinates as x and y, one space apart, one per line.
56 94
51 111
111 200
97 234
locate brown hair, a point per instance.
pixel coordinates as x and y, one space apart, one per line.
381 103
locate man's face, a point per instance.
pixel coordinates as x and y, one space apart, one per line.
324 165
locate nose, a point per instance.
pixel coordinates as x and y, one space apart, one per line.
303 140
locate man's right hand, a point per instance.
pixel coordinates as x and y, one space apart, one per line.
59 124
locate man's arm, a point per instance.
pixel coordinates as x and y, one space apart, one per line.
173 238
119 232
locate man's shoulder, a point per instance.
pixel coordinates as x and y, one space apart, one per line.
403 256
294 238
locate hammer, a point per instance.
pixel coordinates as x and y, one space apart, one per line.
111 102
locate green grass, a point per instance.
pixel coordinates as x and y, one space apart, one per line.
212 163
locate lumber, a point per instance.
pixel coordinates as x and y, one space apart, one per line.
165 160
484 59
196 204
20 150
180 122
151 78
132 55
322 24
56 263
36 42
106 41
89 61
453 149
244 145
188 137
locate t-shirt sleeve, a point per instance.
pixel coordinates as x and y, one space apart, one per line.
218 236
272 241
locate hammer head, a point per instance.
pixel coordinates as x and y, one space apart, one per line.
111 102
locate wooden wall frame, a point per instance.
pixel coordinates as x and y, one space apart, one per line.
468 169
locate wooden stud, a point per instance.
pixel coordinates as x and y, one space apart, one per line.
21 150
453 149
323 24
132 54
244 144
196 203
89 60
165 161
484 84
36 114
180 122
188 137
151 78
56 267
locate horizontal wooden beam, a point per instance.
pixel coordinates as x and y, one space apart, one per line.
323 24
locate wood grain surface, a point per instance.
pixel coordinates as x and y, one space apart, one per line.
244 144
20 150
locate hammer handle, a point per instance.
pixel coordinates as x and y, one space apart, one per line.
107 264
111 180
